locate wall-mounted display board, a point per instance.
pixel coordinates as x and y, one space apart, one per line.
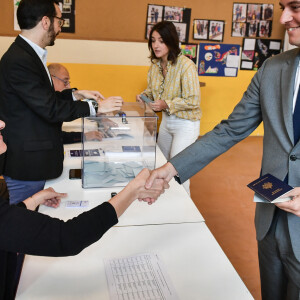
67 8
218 60
212 30
125 20
180 16
256 51
252 19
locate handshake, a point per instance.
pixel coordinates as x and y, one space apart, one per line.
151 184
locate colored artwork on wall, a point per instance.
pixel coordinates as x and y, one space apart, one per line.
190 51
218 60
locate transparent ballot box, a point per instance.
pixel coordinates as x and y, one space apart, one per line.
127 146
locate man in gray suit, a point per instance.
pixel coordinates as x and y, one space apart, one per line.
271 97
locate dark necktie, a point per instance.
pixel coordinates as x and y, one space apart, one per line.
296 119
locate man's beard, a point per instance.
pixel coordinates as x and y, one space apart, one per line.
52 35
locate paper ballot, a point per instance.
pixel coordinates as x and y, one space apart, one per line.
142 276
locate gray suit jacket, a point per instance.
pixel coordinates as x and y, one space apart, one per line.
269 98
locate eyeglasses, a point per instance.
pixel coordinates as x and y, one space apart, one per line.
66 82
61 21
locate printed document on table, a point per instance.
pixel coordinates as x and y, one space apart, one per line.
141 276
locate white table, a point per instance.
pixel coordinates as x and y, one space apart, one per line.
174 206
172 227
197 266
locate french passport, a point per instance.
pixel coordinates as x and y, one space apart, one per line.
270 188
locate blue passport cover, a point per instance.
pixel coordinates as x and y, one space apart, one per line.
269 187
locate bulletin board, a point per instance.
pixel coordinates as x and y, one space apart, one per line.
125 20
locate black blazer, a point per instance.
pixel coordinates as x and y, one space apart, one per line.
33 113
30 232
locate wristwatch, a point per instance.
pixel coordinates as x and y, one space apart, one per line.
95 104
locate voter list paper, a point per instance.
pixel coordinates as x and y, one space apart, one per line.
142 276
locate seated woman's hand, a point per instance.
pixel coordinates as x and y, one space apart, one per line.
48 197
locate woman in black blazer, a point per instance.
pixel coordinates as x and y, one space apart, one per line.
39 234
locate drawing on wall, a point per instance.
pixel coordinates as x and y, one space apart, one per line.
218 60
190 51
180 17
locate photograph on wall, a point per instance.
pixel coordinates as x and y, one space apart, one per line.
253 12
181 31
252 28
180 16
256 51
149 27
265 28
239 12
239 29
200 29
259 20
173 13
216 30
154 14
67 8
267 12
218 59
190 51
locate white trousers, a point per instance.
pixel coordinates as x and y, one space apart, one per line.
175 134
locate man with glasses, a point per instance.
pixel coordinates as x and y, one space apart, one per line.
61 81
60 77
31 108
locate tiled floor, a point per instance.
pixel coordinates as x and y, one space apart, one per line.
220 192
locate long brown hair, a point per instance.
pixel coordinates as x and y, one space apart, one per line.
169 35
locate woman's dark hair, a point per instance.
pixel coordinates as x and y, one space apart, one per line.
169 35
30 12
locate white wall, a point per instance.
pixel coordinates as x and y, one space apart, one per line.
92 52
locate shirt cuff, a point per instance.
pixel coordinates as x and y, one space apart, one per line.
92 109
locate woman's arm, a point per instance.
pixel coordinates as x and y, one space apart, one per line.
30 232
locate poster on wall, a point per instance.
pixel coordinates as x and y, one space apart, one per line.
190 51
67 8
256 51
180 17
252 20
218 59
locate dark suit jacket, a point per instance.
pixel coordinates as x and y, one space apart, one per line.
71 137
33 113
269 98
30 232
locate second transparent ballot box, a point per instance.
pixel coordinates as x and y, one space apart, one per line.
128 145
